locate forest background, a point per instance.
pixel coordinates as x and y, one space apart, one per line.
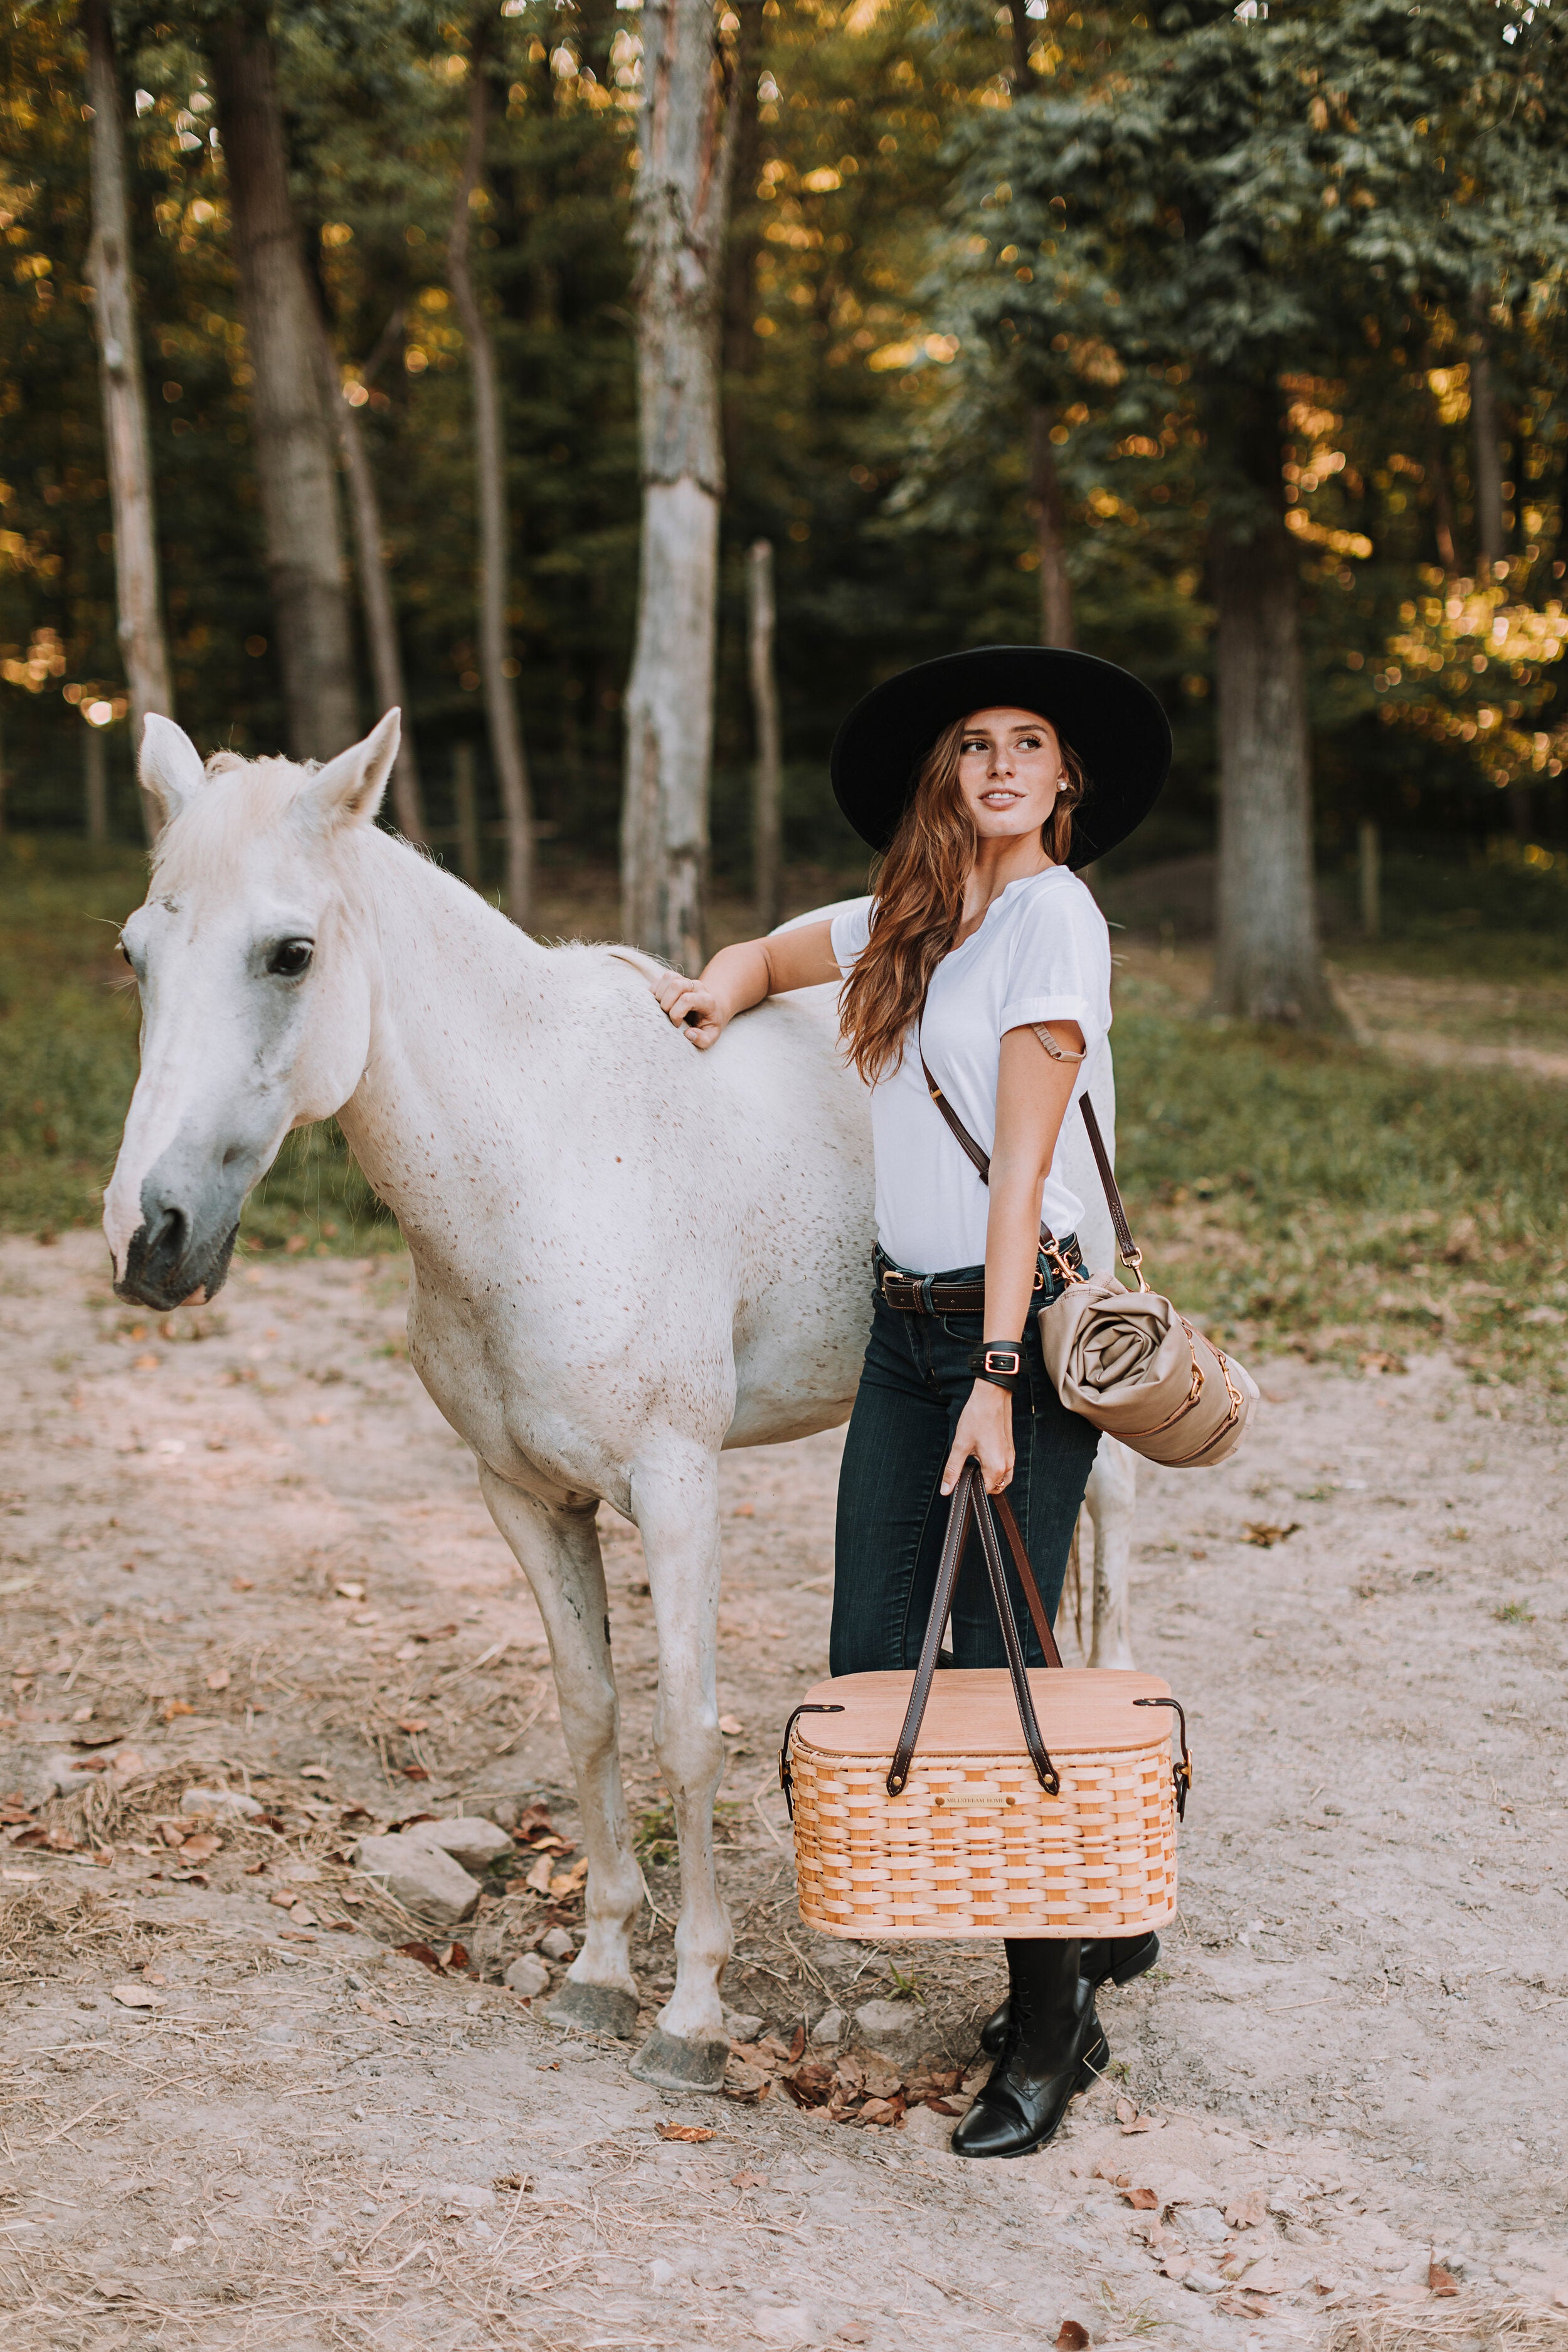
895 380
1226 341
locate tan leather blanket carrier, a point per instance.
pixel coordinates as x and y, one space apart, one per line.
985 1801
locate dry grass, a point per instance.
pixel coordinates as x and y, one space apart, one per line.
47 1926
1464 2327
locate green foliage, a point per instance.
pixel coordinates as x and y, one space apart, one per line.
1322 191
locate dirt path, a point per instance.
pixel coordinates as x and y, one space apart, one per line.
259 1558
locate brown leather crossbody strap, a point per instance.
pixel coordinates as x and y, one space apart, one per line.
1128 1249
1131 1254
970 1501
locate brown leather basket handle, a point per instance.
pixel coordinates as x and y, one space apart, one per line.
970 1501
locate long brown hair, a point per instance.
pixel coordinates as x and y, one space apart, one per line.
919 900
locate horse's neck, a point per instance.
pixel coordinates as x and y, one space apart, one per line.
457 994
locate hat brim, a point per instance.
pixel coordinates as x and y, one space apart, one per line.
1108 717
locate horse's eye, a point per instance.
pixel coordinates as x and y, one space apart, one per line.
125 951
289 957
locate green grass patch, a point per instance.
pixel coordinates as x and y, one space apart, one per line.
1300 1192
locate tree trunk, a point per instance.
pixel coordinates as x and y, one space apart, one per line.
1050 533
686 143
141 622
1267 957
375 592
489 487
760 615
292 438
1023 72
742 247
1486 459
467 803
95 785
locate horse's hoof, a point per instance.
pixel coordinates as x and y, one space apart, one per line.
594 2008
672 2064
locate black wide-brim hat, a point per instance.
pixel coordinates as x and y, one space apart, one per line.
1111 718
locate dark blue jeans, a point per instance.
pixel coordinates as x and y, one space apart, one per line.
892 1518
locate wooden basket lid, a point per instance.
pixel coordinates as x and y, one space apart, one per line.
973 1712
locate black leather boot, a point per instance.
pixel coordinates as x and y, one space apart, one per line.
1055 2046
1116 1959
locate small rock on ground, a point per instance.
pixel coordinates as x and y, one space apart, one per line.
470 1840
421 1877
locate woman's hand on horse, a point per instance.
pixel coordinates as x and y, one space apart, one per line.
695 1010
985 1432
740 976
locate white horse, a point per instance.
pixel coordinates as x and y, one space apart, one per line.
591 1322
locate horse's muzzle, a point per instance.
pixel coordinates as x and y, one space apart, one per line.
165 1261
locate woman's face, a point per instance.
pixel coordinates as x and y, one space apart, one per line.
1009 772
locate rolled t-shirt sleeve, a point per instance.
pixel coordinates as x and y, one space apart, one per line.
850 931
1060 967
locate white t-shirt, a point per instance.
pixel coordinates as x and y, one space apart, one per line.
1043 954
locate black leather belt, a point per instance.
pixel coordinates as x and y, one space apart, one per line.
914 1293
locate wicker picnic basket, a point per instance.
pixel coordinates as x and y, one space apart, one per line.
1041 1802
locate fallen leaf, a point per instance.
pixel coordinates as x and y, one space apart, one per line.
942 2107
202 1846
730 1727
538 1879
1249 2212
533 1824
1441 2281
348 1591
798 2045
748 2180
303 1916
1138 2124
457 1958
567 1883
1125 2111
685 2131
314 1772
882 2111
1072 2336
413 1726
424 1954
414 1772
127 1763
219 1679
135 1996
1265 1534
171 1708
242 1584
510 2180
373 2009
285 1899
1143 2200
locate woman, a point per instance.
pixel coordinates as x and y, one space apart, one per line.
986 778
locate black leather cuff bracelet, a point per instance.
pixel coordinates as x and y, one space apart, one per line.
1000 1361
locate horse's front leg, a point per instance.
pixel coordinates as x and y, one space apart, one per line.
558 1551
1112 1500
675 1501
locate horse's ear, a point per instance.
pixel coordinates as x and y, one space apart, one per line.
348 789
169 765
